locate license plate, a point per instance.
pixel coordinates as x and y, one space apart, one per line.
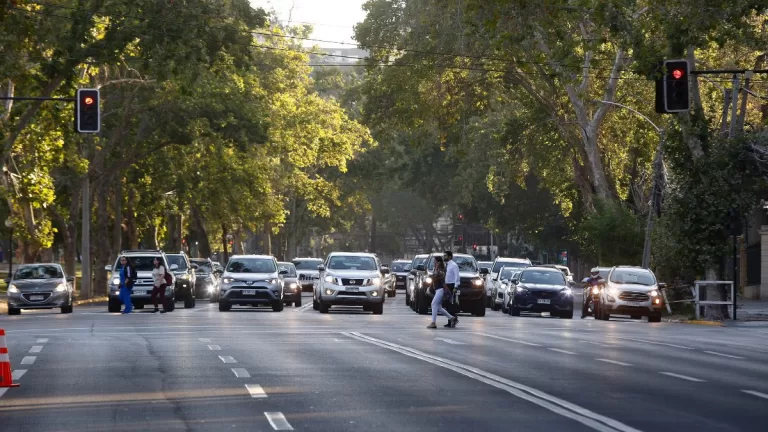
543 301
634 304
36 298
249 292
352 289
400 283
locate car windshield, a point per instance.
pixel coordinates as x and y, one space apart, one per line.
400 267
543 277
633 277
307 264
346 262
287 267
501 264
38 272
251 265
140 263
508 273
203 266
178 260
465 263
418 261
485 264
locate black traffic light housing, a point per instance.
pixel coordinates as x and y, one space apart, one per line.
87 113
672 93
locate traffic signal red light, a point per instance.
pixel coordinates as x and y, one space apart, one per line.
678 73
672 87
461 216
87 115
461 238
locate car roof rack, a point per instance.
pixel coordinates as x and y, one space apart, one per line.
140 251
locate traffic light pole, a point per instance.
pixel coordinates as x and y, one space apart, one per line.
36 98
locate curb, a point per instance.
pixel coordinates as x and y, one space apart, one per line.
696 322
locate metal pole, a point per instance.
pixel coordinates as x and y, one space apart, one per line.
657 167
85 290
11 251
734 106
735 283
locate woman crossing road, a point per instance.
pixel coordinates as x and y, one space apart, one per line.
127 278
159 282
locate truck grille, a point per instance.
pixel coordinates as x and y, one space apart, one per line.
633 296
44 295
351 294
354 282
307 277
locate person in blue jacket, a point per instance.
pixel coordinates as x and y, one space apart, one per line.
127 278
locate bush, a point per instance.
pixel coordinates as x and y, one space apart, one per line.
612 235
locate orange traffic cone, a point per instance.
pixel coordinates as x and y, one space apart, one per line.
6 379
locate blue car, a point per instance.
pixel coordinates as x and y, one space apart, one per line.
542 289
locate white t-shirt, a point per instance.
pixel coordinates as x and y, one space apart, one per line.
452 273
158 276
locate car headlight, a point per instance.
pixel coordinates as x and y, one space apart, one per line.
374 294
477 282
228 280
567 291
182 276
61 287
12 289
654 293
613 291
374 281
520 289
294 285
428 280
115 281
328 291
328 279
273 281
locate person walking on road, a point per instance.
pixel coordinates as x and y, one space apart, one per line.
159 282
127 278
452 281
438 282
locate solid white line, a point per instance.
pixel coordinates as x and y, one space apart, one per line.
613 362
18 373
507 339
562 351
35 349
724 355
683 377
214 347
241 373
28 360
656 343
255 390
41 341
278 421
597 343
227 359
756 393
204 339
3 390
530 394
450 341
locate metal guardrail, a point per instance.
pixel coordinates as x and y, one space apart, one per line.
699 302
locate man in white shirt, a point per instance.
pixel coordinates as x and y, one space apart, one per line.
452 280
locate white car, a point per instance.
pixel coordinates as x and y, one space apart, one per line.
631 291
306 270
500 283
351 279
509 291
498 264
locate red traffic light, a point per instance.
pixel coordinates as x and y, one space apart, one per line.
88 101
461 216
678 73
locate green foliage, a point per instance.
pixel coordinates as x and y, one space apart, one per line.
612 235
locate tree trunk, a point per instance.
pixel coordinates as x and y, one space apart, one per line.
224 243
131 226
200 233
102 248
117 229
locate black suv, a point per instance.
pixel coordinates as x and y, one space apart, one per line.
471 286
206 278
185 277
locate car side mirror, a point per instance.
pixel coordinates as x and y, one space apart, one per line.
321 268
384 270
515 281
421 267
174 267
108 268
283 272
413 272
484 271
70 278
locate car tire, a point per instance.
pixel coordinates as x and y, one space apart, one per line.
604 316
480 309
113 306
636 317
566 314
224 307
189 301
422 307
513 310
297 303
654 318
14 311
407 298
494 306
378 309
315 305
277 306
170 305
323 307
66 309
138 306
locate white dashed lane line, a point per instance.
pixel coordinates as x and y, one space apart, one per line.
41 341
507 339
214 347
227 359
204 339
613 362
682 377
562 351
18 373
28 360
278 421
756 393
35 349
724 355
657 343
255 391
241 373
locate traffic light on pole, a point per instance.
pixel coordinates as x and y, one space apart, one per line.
87 115
672 87
461 216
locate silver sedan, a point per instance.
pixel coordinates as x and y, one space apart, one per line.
40 286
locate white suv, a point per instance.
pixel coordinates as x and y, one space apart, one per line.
351 279
631 291
498 264
143 262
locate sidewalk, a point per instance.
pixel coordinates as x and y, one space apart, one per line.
752 310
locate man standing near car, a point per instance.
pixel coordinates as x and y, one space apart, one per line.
452 280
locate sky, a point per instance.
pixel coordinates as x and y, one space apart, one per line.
332 20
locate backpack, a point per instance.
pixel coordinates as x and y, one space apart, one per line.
168 278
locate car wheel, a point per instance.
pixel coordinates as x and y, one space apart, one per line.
14 311
654 318
407 299
494 306
224 307
189 301
66 309
513 310
170 305
138 306
480 309
315 305
323 307
566 314
604 315
636 317
422 307
297 303
378 309
113 306
488 302
277 306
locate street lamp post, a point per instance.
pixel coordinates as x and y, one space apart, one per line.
9 225
657 167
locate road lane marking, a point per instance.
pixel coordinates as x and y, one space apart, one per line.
278 421
450 341
41 341
562 351
613 362
559 406
598 343
204 339
256 391
724 355
28 360
241 373
656 343
507 339
18 373
682 377
203 308
35 349
2 391
756 393
214 347
227 359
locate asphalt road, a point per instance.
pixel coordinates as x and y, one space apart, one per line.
256 370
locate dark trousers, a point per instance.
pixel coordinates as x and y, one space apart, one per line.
158 291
